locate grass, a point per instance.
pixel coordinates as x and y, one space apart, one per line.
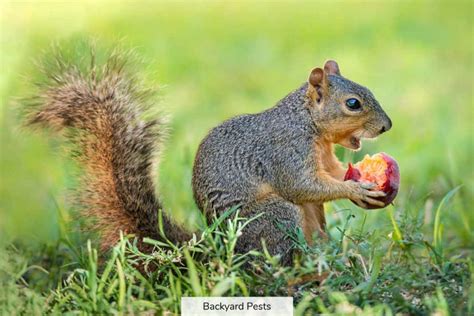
217 60
361 271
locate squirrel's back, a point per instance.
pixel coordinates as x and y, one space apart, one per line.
233 161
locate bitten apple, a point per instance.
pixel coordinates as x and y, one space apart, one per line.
379 169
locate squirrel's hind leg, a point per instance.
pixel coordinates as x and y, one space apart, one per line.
280 218
313 221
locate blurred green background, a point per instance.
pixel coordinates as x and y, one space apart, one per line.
216 60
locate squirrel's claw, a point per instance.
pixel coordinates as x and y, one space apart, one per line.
374 202
360 203
367 185
376 193
362 196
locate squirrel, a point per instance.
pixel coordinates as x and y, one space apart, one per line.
279 162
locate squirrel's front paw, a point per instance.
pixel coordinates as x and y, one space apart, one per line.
361 193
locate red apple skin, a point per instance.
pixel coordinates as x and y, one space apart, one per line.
352 173
390 186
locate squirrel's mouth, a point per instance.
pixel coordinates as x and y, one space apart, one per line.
355 142
351 142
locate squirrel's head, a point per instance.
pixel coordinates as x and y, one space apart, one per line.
344 111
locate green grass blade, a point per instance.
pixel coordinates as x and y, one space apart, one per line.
438 227
122 286
193 274
397 235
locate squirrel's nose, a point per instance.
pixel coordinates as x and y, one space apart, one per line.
386 127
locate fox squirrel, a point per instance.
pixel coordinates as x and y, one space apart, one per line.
279 162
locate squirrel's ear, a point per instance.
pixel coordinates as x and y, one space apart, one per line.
332 68
316 77
316 84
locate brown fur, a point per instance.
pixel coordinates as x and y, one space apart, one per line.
313 220
264 191
103 112
327 161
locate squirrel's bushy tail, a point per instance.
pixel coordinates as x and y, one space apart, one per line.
102 111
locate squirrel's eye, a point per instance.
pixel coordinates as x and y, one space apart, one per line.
353 104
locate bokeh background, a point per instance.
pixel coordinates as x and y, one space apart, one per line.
216 60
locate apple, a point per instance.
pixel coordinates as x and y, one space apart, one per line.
379 169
